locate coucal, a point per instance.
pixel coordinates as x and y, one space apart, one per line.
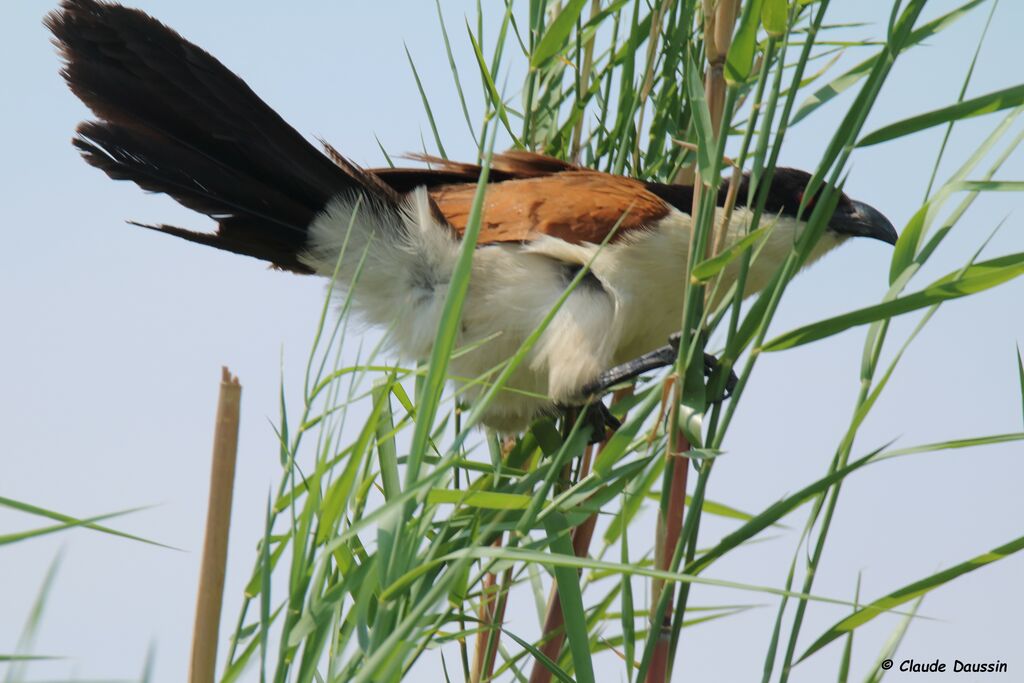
173 119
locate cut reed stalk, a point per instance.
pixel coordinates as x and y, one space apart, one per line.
218 522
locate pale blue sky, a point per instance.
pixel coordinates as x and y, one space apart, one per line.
114 338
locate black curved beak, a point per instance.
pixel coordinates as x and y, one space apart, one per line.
863 220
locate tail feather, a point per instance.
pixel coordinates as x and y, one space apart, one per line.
175 120
241 240
201 183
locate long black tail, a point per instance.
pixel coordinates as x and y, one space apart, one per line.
175 120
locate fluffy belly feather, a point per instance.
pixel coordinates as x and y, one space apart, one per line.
630 303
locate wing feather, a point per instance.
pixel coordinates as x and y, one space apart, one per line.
578 206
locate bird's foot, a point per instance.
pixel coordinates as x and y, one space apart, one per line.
597 416
652 360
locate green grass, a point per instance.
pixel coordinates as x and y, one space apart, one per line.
387 531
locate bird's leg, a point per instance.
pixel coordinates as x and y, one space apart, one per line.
652 360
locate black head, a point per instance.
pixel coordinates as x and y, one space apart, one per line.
850 217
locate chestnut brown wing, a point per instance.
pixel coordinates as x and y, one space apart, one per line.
578 206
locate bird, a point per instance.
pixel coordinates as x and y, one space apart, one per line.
174 120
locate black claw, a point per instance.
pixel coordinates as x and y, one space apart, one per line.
652 360
603 421
711 365
596 414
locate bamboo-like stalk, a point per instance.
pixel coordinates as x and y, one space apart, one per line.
718 28
670 524
499 621
218 521
719 20
673 524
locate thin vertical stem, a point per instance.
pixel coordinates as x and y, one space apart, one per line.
584 86
657 17
490 627
719 20
670 524
497 622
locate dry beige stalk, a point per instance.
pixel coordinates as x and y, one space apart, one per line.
588 66
719 30
218 521
719 20
645 91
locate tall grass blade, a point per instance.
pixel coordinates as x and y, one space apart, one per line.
548 663
739 61
426 105
911 591
844 664
43 531
70 521
557 33
877 672
454 69
491 89
984 104
571 598
1020 376
26 642
967 281
861 70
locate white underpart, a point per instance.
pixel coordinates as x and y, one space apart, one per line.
408 259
